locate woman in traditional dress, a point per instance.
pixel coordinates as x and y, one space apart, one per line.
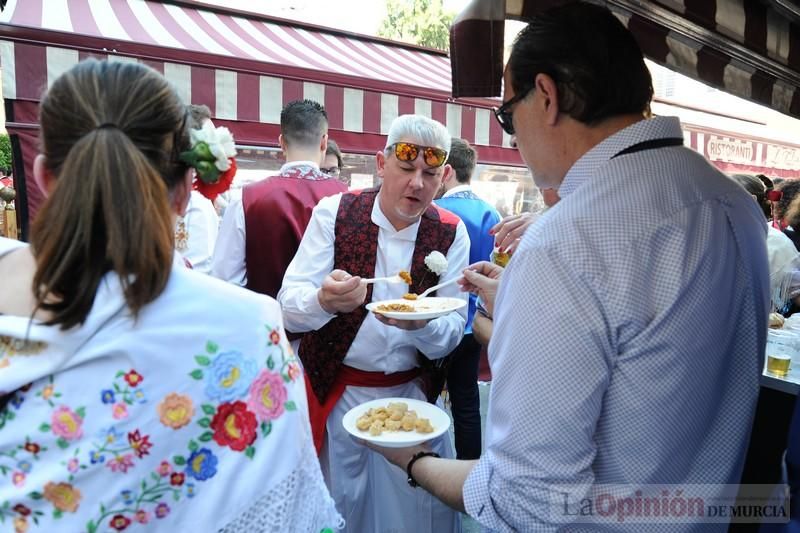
139 394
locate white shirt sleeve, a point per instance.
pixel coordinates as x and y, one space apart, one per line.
443 334
203 227
312 262
229 254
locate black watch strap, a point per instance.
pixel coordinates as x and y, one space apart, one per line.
417 456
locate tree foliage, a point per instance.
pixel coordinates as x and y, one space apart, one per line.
5 153
422 22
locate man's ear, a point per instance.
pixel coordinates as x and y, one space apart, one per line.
44 179
546 93
448 175
179 197
323 145
282 142
380 163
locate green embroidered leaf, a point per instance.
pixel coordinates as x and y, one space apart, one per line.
117 388
44 427
204 422
154 476
119 374
202 360
211 347
196 374
193 446
62 443
102 509
205 437
266 428
250 452
179 460
35 495
57 513
176 495
290 406
91 527
81 412
270 363
208 409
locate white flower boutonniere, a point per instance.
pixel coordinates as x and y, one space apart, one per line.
436 262
219 142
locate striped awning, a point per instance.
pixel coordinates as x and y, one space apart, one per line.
749 48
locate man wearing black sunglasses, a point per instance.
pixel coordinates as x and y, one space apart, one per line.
630 324
352 356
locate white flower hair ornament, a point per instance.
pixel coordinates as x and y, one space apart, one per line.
212 156
436 262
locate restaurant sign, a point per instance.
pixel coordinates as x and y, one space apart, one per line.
731 150
734 153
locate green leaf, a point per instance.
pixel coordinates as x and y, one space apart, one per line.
91 527
208 409
202 360
206 437
211 347
176 495
35 495
290 406
154 476
250 452
266 428
270 363
204 422
117 388
119 374
193 446
57 513
62 443
81 412
179 460
196 374
44 427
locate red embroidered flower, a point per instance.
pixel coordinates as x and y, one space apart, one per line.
141 445
176 479
32 447
234 426
21 509
274 336
133 378
119 522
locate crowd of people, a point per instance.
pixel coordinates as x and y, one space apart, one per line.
164 371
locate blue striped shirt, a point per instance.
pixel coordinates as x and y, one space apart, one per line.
628 339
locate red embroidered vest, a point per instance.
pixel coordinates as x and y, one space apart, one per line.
276 213
355 251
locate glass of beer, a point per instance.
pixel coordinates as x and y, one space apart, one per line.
778 364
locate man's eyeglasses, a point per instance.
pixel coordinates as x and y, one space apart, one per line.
332 171
433 157
505 115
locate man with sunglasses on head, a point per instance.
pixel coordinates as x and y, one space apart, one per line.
630 325
352 356
260 234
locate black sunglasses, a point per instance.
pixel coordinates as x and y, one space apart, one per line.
505 115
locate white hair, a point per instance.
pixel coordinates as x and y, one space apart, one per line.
418 129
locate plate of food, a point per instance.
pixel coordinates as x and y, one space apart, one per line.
396 422
421 309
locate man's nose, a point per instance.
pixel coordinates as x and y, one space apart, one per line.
416 180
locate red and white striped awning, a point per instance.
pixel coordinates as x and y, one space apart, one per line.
749 48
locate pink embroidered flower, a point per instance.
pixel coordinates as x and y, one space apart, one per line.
121 463
18 478
267 396
274 336
164 469
66 423
73 465
293 371
142 516
162 510
119 411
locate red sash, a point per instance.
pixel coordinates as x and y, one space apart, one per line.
347 375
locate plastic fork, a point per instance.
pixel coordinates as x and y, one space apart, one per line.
436 287
387 279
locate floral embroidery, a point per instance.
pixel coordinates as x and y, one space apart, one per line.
229 376
121 463
63 496
234 426
119 522
113 443
162 510
175 410
133 378
119 411
67 424
274 337
48 392
202 464
140 444
18 479
267 396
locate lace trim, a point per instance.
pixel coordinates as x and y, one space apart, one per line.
300 503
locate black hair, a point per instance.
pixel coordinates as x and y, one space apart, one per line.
303 122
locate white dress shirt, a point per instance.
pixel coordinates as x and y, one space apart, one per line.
229 256
202 226
377 347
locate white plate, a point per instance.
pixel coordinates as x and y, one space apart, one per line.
398 439
425 309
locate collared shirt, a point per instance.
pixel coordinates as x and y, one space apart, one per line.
628 338
377 347
479 217
229 255
198 230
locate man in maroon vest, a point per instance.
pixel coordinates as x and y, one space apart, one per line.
260 234
352 356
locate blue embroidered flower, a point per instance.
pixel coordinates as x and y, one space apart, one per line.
17 400
139 395
25 466
96 457
127 497
107 396
201 465
110 435
190 490
229 376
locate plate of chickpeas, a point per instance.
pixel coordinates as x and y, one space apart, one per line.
396 422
